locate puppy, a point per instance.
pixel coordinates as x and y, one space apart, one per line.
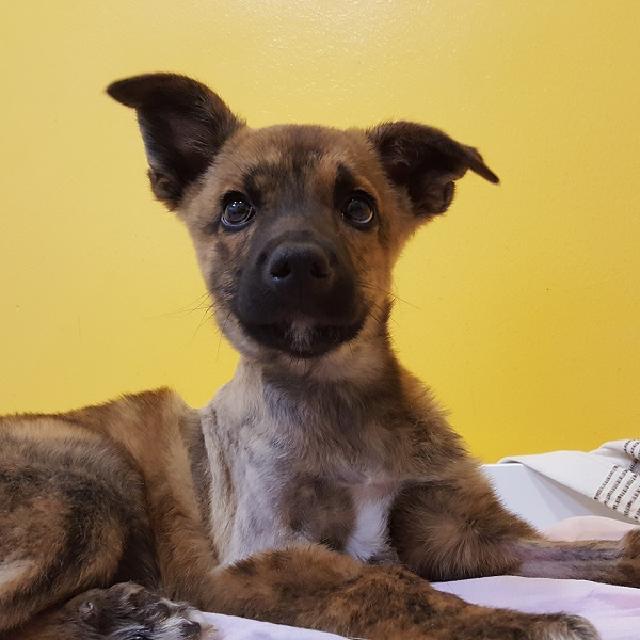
322 486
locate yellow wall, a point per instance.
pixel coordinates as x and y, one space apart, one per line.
522 305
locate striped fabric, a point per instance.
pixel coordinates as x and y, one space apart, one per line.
620 490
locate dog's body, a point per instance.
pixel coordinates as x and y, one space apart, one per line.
321 455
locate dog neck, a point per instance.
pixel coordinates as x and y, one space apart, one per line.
345 386
361 362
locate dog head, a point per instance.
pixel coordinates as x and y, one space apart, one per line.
296 228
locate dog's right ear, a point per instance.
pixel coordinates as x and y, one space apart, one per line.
184 125
425 162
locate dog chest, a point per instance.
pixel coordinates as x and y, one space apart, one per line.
368 537
286 491
352 518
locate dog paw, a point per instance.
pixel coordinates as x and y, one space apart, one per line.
127 611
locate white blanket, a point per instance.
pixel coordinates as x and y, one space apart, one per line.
232 628
610 474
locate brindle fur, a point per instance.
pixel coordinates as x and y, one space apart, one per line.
316 490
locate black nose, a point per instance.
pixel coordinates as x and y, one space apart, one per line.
299 265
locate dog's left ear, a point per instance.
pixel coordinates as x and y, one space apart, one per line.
425 162
184 125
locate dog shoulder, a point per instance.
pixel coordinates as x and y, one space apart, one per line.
149 411
150 425
146 423
435 443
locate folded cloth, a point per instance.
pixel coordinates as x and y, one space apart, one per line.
610 474
588 528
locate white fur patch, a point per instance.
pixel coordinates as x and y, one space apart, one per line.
369 535
13 570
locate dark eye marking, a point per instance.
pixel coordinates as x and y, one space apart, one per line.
237 211
357 207
345 184
250 183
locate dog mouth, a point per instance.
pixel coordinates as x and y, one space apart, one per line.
302 339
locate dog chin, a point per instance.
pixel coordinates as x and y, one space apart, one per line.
302 338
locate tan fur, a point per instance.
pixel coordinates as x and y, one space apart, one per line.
253 504
154 427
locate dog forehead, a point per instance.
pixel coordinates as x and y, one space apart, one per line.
282 143
279 155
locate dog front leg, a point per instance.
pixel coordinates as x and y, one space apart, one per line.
310 586
303 586
456 528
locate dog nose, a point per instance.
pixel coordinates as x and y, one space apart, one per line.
299 265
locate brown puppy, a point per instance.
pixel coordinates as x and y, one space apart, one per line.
322 485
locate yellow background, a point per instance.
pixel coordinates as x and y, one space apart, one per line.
522 305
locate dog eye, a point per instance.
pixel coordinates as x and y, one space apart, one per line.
237 210
358 210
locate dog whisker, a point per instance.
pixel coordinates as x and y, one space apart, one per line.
391 294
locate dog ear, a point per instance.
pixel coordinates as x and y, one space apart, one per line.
425 162
183 123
